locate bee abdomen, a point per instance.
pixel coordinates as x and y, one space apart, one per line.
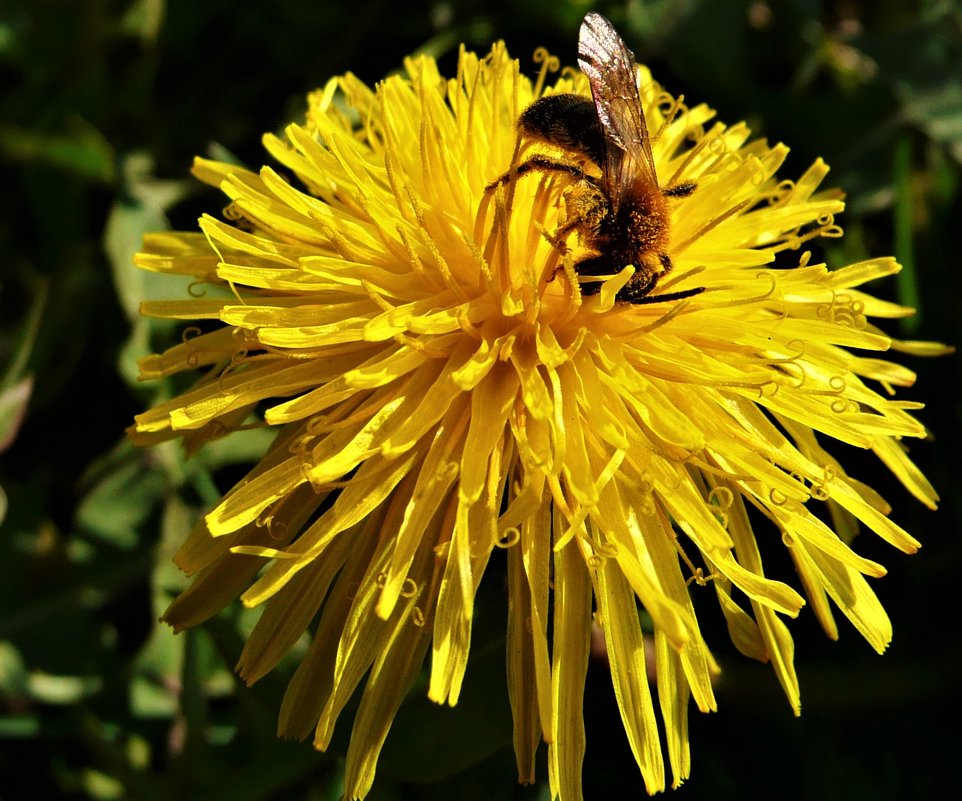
642 222
566 121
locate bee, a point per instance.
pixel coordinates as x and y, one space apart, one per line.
623 217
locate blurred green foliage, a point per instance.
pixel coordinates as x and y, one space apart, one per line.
105 102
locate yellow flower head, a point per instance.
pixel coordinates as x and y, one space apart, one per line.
442 390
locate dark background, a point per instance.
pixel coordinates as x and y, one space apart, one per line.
102 107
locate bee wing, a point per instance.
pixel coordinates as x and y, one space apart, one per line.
610 66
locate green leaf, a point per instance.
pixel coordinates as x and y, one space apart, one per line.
239 448
144 19
429 742
27 338
136 347
121 501
938 112
157 671
140 209
62 690
13 408
82 151
13 672
906 282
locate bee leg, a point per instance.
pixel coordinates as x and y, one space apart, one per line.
636 291
684 189
560 234
639 292
535 164
586 207
668 296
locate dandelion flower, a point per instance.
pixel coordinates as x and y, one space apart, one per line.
444 395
